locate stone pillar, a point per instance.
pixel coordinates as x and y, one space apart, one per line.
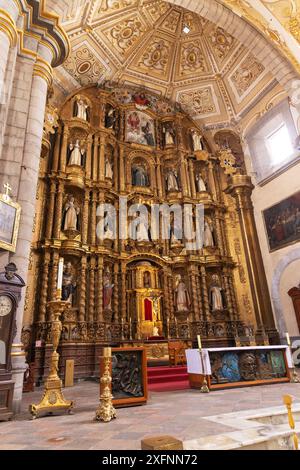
241 189
8 39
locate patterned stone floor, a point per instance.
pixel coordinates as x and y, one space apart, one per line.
180 414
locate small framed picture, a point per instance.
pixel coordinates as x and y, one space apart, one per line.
10 213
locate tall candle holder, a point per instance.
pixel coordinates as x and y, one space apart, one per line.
106 411
204 388
53 399
288 401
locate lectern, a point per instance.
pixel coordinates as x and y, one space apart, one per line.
11 285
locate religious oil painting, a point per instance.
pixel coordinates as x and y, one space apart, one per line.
129 375
9 223
283 222
140 128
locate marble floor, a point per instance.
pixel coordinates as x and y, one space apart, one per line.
181 414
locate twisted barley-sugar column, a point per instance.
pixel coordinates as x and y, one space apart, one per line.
116 292
44 288
82 302
54 273
88 163
95 158
56 152
85 217
196 308
64 149
91 312
50 210
199 294
100 317
205 293
123 292
101 168
241 188
58 210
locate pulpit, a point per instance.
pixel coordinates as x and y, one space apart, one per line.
294 293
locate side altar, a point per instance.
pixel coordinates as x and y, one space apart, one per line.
239 367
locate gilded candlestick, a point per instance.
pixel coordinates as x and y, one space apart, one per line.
106 411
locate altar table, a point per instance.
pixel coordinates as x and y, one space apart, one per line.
239 367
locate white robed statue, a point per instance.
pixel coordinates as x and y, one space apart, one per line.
208 236
216 297
108 169
142 230
197 141
182 295
172 183
201 186
81 109
76 154
71 215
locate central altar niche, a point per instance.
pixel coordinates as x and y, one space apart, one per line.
145 300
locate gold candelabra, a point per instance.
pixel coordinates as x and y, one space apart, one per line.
106 411
53 399
287 399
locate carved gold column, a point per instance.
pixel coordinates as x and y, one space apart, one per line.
220 243
195 300
101 169
241 189
56 154
82 302
95 158
205 293
192 179
159 180
93 221
50 210
211 180
88 164
116 168
44 288
116 292
92 290
100 317
58 210
64 149
123 292
199 292
166 293
184 181
228 295
54 272
153 178
85 216
122 169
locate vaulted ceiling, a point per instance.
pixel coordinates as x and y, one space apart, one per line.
208 71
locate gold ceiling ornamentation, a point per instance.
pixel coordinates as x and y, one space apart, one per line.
198 101
221 42
192 58
83 65
125 34
247 74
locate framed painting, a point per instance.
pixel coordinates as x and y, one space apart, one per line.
10 213
282 222
140 128
129 377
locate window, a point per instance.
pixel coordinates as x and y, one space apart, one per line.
279 145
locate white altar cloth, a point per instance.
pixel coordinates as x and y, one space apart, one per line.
194 363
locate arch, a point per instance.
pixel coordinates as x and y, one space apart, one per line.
294 255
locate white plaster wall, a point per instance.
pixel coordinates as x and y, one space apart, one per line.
290 278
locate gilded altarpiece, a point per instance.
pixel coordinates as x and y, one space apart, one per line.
112 142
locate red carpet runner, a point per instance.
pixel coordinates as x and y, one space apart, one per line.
167 379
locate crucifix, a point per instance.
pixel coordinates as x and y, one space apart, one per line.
8 189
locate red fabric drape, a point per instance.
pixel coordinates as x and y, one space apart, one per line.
148 310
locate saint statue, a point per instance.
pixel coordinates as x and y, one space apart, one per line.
172 182
208 236
197 141
71 213
147 280
110 118
201 186
182 295
216 298
76 154
108 232
140 177
68 284
155 332
107 290
108 169
142 231
81 109
169 134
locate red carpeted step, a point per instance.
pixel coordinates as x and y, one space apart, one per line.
163 379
